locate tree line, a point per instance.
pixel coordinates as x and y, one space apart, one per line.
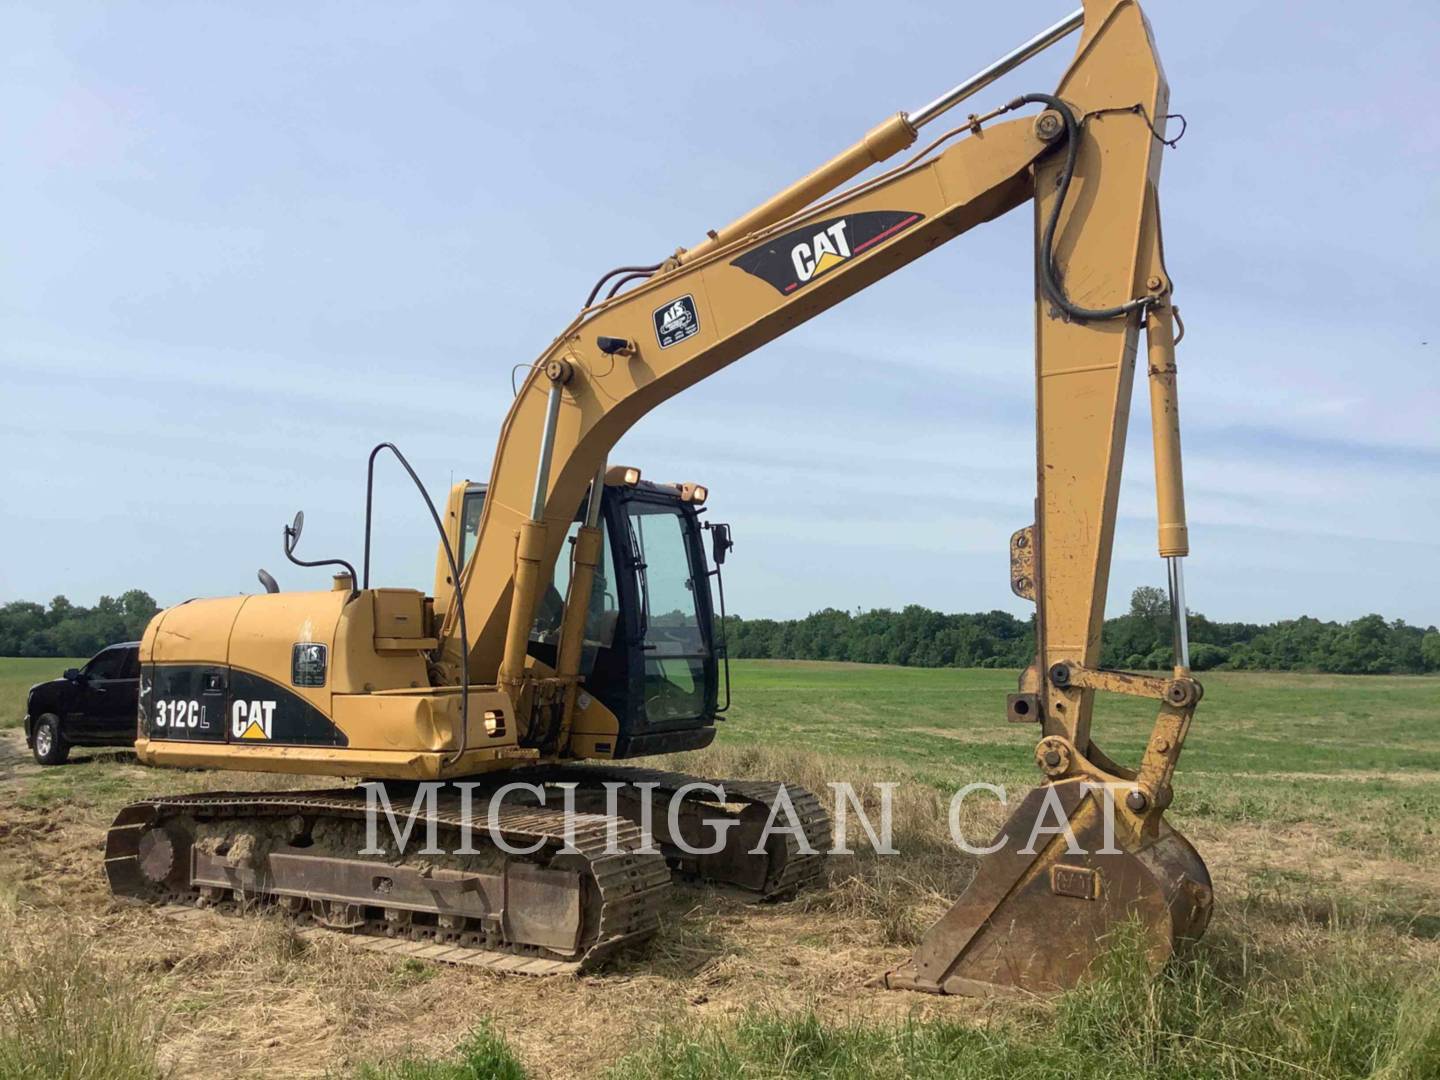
915 636
66 629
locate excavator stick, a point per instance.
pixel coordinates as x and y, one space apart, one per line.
1088 852
1045 906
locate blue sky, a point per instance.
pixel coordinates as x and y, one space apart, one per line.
246 242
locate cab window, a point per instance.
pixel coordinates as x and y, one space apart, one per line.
107 665
676 648
603 614
470 511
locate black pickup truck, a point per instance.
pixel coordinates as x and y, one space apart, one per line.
89 706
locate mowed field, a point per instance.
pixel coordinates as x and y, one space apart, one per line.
1314 799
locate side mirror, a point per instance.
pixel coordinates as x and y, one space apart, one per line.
291 538
292 531
72 674
720 543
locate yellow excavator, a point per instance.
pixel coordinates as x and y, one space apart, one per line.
572 623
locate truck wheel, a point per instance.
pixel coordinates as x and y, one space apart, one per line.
50 747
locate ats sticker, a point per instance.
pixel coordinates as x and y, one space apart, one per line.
676 321
798 258
307 663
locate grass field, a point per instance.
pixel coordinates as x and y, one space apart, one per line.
17 675
1315 800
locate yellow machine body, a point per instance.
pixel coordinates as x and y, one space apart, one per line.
389 703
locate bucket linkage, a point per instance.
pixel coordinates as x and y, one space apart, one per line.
1083 855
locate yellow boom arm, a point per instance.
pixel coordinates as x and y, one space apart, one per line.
738 290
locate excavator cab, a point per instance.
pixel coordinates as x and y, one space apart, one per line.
649 652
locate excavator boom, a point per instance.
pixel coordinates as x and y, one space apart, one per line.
776 268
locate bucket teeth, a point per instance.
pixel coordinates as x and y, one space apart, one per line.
1049 901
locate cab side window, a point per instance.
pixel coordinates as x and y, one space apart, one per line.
470 512
107 665
603 613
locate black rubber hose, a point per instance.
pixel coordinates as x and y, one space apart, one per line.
454 575
289 554
1049 280
625 281
619 270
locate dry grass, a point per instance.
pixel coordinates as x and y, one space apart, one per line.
869 899
68 1011
242 998
767 990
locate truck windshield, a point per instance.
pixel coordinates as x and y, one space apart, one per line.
675 645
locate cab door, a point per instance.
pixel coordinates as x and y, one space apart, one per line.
105 697
664 681
648 655
673 605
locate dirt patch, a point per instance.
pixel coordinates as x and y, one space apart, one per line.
15 757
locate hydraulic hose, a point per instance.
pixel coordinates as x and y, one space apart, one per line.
625 281
1049 279
453 566
619 270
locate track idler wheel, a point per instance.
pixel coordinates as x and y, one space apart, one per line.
1036 918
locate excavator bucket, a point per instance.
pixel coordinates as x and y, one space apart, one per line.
1046 902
